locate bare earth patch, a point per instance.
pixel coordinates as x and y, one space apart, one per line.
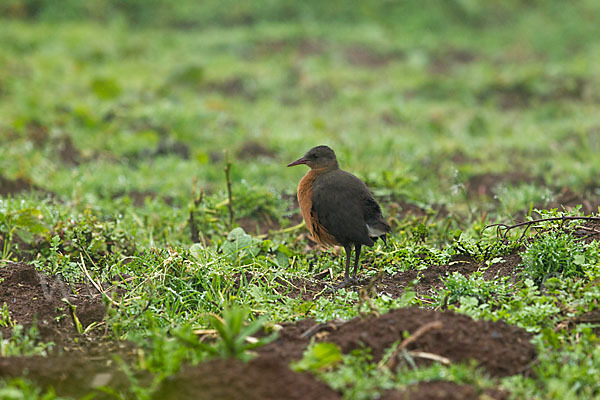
443 390
264 378
32 296
76 364
499 348
83 364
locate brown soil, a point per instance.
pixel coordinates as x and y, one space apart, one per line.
68 153
425 282
165 147
569 200
258 226
428 281
487 184
364 56
401 209
264 378
37 132
443 390
444 61
252 149
76 364
14 186
236 86
74 373
172 147
263 224
499 348
32 296
305 289
523 94
566 199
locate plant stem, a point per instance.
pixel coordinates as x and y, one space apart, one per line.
229 193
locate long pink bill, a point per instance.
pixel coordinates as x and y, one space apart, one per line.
299 161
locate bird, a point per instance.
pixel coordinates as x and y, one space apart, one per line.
338 208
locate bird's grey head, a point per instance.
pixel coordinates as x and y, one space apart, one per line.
319 157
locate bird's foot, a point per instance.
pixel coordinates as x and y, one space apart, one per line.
349 281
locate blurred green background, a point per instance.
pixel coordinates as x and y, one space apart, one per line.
481 109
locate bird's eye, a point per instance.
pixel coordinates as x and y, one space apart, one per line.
315 156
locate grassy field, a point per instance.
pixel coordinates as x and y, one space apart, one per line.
118 121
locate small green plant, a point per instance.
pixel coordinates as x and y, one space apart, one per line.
5 319
319 357
235 336
54 258
240 245
475 286
554 254
23 343
22 219
23 389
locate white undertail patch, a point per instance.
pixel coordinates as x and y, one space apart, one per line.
374 232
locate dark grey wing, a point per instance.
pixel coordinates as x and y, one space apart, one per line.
339 200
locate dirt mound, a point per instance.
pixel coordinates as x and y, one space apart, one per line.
74 373
443 390
32 296
79 363
264 378
501 349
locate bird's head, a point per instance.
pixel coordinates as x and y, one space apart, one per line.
320 157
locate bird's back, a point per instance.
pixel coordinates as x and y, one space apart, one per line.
346 209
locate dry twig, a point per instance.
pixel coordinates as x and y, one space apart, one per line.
391 362
430 356
528 224
198 197
97 286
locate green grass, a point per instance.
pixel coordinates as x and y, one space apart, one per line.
420 102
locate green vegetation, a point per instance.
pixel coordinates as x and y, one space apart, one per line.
117 119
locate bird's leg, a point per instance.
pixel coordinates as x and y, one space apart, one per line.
357 256
347 280
348 255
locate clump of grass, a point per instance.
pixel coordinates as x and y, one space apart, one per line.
555 254
474 286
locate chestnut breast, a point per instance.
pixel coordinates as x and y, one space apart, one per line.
305 199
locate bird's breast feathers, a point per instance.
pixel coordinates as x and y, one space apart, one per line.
305 195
